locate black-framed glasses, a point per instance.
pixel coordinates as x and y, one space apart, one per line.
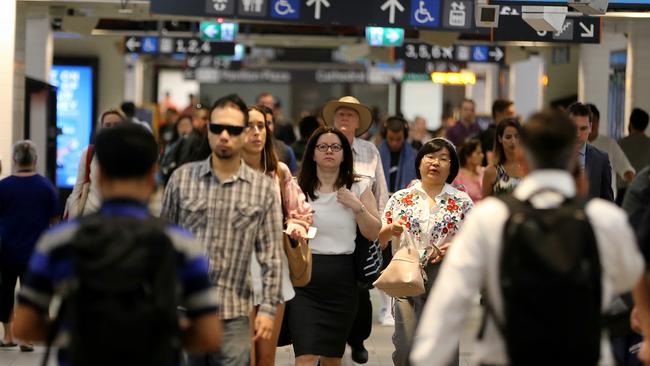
325 147
217 129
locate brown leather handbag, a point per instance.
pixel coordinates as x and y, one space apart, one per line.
298 252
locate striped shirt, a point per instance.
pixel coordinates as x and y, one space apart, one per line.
51 268
230 220
367 163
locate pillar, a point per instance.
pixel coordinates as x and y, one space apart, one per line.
637 73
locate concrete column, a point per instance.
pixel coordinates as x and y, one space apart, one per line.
39 43
637 73
594 71
486 89
7 69
526 89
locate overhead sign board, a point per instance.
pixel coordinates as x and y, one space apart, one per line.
177 45
451 15
411 52
381 36
613 4
574 30
218 31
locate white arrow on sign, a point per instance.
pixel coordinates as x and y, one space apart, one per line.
392 4
132 44
497 54
392 36
211 30
588 31
317 6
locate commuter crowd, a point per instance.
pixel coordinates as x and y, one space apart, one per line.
265 239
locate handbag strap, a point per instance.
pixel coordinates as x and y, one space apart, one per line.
280 174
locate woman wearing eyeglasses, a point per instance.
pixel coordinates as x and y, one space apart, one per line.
428 214
322 313
258 153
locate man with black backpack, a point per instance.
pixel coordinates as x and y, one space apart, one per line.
547 263
121 273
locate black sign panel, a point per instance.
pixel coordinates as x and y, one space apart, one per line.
453 15
574 30
176 45
427 67
217 62
456 53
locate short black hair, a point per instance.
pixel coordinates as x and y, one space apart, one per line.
126 151
466 149
231 100
639 119
307 126
595 113
397 124
500 106
550 138
579 109
436 145
128 108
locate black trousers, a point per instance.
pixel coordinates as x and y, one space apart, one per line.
8 276
363 321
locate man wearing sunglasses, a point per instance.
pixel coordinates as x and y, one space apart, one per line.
232 210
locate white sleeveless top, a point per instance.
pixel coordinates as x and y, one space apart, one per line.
337 227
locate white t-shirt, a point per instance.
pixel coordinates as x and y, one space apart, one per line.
337 227
617 159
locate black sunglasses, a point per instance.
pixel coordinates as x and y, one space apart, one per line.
217 129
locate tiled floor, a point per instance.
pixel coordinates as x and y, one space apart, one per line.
379 347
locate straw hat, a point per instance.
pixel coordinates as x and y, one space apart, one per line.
365 115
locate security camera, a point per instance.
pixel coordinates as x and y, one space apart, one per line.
487 15
544 18
591 7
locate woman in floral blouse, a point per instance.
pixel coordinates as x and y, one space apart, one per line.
427 214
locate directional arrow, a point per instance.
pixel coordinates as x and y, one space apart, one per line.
588 32
497 54
317 6
392 4
211 30
392 36
133 44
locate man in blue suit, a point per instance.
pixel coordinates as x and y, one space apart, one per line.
595 162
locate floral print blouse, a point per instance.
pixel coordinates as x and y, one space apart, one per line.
428 226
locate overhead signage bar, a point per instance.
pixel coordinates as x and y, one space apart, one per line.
450 15
613 4
177 45
455 53
512 27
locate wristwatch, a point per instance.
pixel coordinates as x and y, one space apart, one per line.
361 210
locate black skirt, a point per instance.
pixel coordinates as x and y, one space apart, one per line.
322 313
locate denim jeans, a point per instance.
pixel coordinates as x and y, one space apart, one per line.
235 349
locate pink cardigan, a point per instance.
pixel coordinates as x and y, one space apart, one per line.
294 199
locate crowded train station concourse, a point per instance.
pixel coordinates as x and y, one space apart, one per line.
324 182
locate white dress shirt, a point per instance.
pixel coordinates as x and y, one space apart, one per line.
472 264
619 162
367 163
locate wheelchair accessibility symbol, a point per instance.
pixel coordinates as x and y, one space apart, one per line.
425 13
286 9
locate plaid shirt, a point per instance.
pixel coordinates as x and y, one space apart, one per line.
230 220
367 163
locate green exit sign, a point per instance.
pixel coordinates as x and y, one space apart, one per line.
386 37
219 32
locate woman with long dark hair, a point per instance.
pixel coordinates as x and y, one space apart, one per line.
259 154
322 313
503 177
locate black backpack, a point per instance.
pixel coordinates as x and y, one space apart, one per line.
550 278
122 306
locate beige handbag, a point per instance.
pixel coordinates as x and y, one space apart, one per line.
299 258
403 275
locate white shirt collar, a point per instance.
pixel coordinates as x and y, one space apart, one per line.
558 180
448 189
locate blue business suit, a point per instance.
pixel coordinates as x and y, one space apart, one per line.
599 173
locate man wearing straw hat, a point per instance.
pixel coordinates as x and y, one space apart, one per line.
354 119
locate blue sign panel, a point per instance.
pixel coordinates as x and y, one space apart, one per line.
480 53
150 45
285 9
425 13
74 116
